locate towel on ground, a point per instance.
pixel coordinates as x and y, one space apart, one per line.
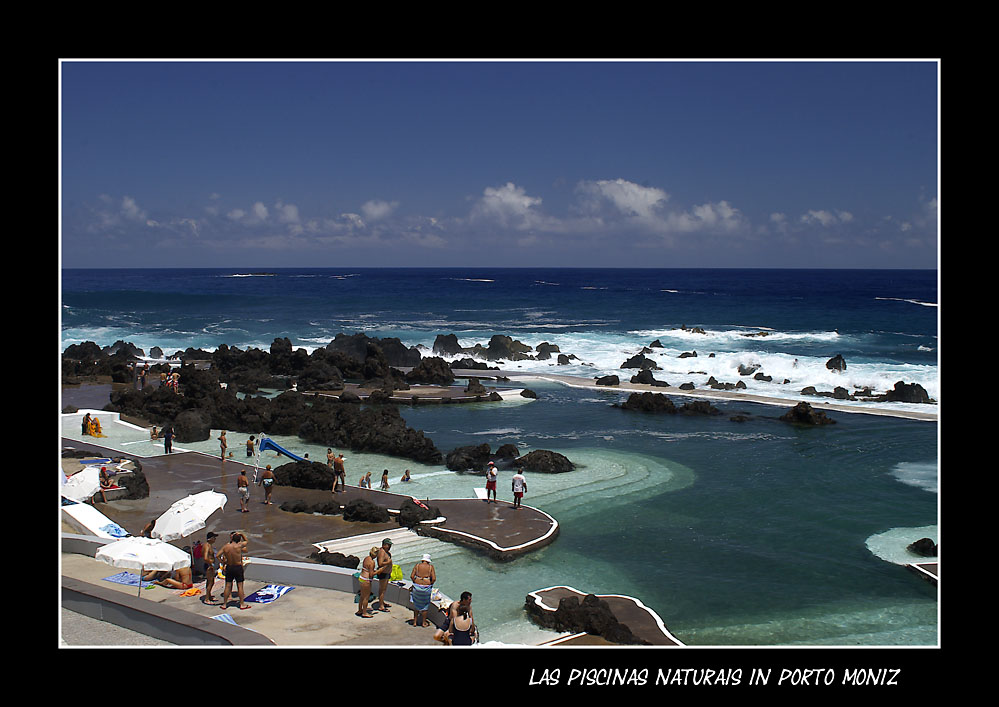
114 530
421 596
267 594
226 619
129 579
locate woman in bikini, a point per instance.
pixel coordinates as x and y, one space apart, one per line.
367 574
423 577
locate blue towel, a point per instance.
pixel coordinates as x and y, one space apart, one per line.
267 594
114 530
421 596
127 578
226 619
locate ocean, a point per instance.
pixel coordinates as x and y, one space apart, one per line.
736 533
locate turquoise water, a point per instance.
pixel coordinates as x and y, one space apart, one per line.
752 533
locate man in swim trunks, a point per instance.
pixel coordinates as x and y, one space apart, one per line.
249 447
365 578
384 571
243 486
339 473
491 482
232 558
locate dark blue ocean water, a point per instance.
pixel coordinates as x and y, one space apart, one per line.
735 533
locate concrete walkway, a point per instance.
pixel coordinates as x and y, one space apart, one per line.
305 616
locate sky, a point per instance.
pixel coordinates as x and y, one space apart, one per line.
267 164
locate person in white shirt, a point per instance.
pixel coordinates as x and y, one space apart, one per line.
519 485
491 482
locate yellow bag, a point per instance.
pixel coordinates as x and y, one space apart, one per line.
396 572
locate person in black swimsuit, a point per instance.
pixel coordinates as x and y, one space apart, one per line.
384 572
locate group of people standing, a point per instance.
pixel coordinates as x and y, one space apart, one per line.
518 485
459 626
230 559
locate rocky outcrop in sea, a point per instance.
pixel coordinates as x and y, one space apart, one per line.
204 405
591 615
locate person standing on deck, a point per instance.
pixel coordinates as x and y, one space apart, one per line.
168 439
340 473
243 487
364 579
267 479
232 557
211 567
384 572
519 486
423 578
491 476
223 445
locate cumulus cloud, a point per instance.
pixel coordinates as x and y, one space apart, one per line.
376 210
826 218
286 213
626 198
509 206
131 210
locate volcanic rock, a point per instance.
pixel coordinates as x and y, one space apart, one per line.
593 615
365 511
304 475
412 514
924 547
640 361
545 462
803 414
836 363
906 393
432 370
471 457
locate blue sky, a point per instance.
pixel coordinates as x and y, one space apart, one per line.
499 163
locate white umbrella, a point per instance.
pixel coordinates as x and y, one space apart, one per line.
83 484
143 554
188 515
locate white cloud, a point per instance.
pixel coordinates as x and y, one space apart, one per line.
131 210
627 198
720 217
376 210
286 213
508 205
826 218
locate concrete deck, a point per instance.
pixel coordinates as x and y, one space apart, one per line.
305 616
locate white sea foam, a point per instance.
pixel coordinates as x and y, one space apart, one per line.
910 301
891 545
922 475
